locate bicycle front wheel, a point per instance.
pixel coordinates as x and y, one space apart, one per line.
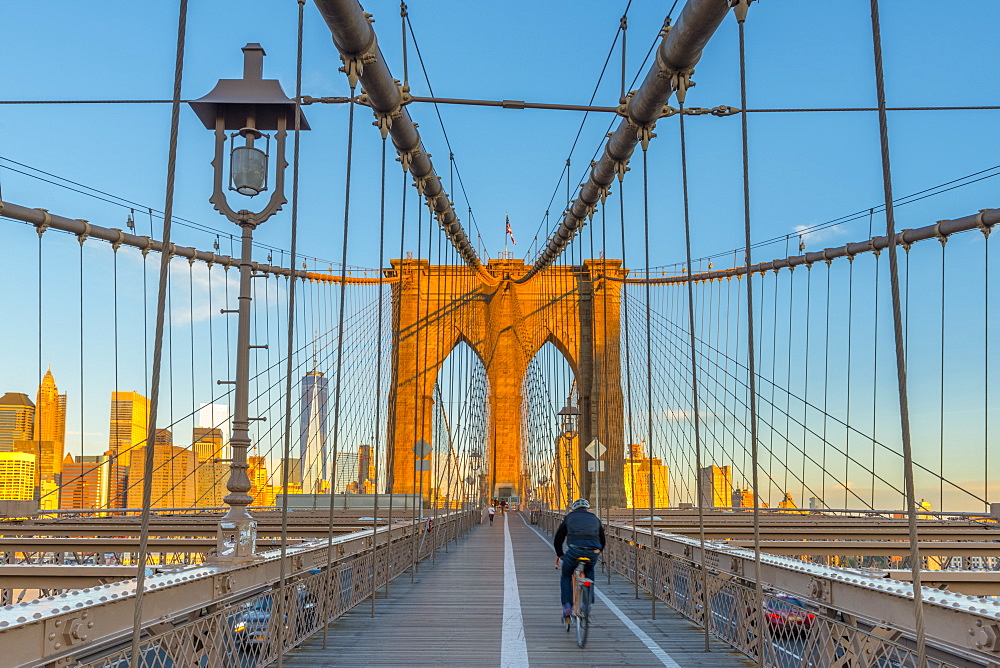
583 615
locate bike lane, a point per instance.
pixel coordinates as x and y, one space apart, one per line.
621 630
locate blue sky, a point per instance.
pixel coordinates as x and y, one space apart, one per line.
806 168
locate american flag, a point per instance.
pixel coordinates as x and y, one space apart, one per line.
510 233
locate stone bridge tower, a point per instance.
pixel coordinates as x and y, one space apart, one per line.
506 323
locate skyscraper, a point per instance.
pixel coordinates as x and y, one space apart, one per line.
50 412
173 482
637 471
716 487
17 476
210 483
207 443
262 493
17 415
216 416
129 422
312 431
92 481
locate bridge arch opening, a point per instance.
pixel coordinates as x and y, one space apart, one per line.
550 451
459 460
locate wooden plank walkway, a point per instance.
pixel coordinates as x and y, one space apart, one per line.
454 615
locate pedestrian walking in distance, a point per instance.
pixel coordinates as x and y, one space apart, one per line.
491 511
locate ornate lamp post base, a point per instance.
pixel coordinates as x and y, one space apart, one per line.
236 540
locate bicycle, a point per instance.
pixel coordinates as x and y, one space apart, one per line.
583 598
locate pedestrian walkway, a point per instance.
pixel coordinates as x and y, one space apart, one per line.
493 600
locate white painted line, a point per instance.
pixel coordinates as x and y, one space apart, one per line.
657 651
513 649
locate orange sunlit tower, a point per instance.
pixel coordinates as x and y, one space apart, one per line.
129 422
173 482
212 474
17 415
716 487
637 471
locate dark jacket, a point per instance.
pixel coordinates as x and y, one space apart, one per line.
579 528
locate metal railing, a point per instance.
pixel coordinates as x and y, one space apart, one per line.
220 615
812 615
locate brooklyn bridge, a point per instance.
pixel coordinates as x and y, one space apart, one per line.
266 366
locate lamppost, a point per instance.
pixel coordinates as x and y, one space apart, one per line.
249 108
476 464
570 414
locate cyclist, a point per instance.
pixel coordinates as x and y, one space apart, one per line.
584 534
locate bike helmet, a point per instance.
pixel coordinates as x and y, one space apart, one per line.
579 503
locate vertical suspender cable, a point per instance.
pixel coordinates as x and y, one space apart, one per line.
944 254
83 395
154 398
986 369
340 356
897 321
707 600
393 416
850 350
741 11
649 377
627 408
417 416
289 351
378 376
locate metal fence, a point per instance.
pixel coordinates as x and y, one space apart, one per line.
781 629
249 626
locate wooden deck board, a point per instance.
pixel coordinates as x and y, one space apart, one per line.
451 616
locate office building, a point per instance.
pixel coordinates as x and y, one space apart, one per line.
17 476
364 474
207 443
210 483
173 479
17 416
92 481
313 430
638 470
742 498
211 474
260 487
216 416
346 471
48 458
50 412
716 487
129 422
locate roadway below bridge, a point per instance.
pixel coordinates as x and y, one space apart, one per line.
493 600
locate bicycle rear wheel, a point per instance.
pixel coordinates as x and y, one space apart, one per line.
583 613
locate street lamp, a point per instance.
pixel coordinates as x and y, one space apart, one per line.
249 108
476 464
570 414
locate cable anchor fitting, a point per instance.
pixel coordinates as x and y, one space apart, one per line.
406 158
82 237
117 243
981 224
873 249
46 222
644 133
680 81
620 168
943 238
724 110
740 8
354 65
603 192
